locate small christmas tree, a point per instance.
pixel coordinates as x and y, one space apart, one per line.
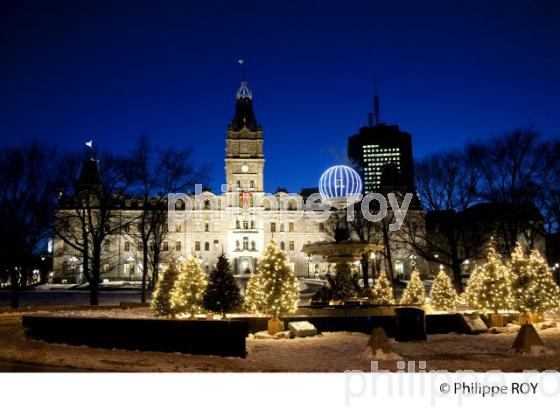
161 299
222 293
382 292
533 286
489 287
414 293
443 295
187 294
254 296
277 283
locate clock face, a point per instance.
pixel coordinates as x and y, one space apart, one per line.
245 168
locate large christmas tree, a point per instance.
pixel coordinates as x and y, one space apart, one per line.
161 298
276 289
443 295
533 286
222 293
414 293
382 292
188 291
489 287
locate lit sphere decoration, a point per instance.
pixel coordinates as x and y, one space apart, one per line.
341 185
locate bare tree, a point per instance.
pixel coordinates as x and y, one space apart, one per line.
88 214
447 184
511 167
27 198
158 173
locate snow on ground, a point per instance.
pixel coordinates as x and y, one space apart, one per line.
329 352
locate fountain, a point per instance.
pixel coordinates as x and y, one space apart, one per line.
340 186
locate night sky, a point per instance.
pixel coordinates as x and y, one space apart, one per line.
111 70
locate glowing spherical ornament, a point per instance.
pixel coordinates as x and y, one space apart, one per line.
341 185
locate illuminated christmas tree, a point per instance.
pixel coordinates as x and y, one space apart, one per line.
533 286
222 293
161 298
276 289
489 287
254 298
443 295
414 293
188 291
382 292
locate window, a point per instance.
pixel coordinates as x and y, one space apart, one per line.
292 245
206 227
107 245
126 228
179 205
321 227
253 247
140 246
236 245
237 224
245 243
273 227
252 224
178 227
127 246
165 246
197 246
178 246
291 227
282 246
216 245
251 184
206 246
281 227
245 224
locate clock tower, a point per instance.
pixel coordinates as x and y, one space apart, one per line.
244 145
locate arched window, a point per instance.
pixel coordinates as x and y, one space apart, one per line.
179 205
282 246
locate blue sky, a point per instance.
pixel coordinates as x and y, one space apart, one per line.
446 71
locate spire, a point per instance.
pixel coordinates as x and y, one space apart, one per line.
243 91
375 103
244 116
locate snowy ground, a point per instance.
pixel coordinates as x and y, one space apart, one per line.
329 352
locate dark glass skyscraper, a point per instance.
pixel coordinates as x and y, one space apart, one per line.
382 154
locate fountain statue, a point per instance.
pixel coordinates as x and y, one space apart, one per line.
340 186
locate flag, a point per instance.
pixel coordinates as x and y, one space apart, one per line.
89 144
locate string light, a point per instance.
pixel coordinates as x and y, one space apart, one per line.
382 292
273 288
443 295
414 293
534 289
489 288
188 291
161 298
